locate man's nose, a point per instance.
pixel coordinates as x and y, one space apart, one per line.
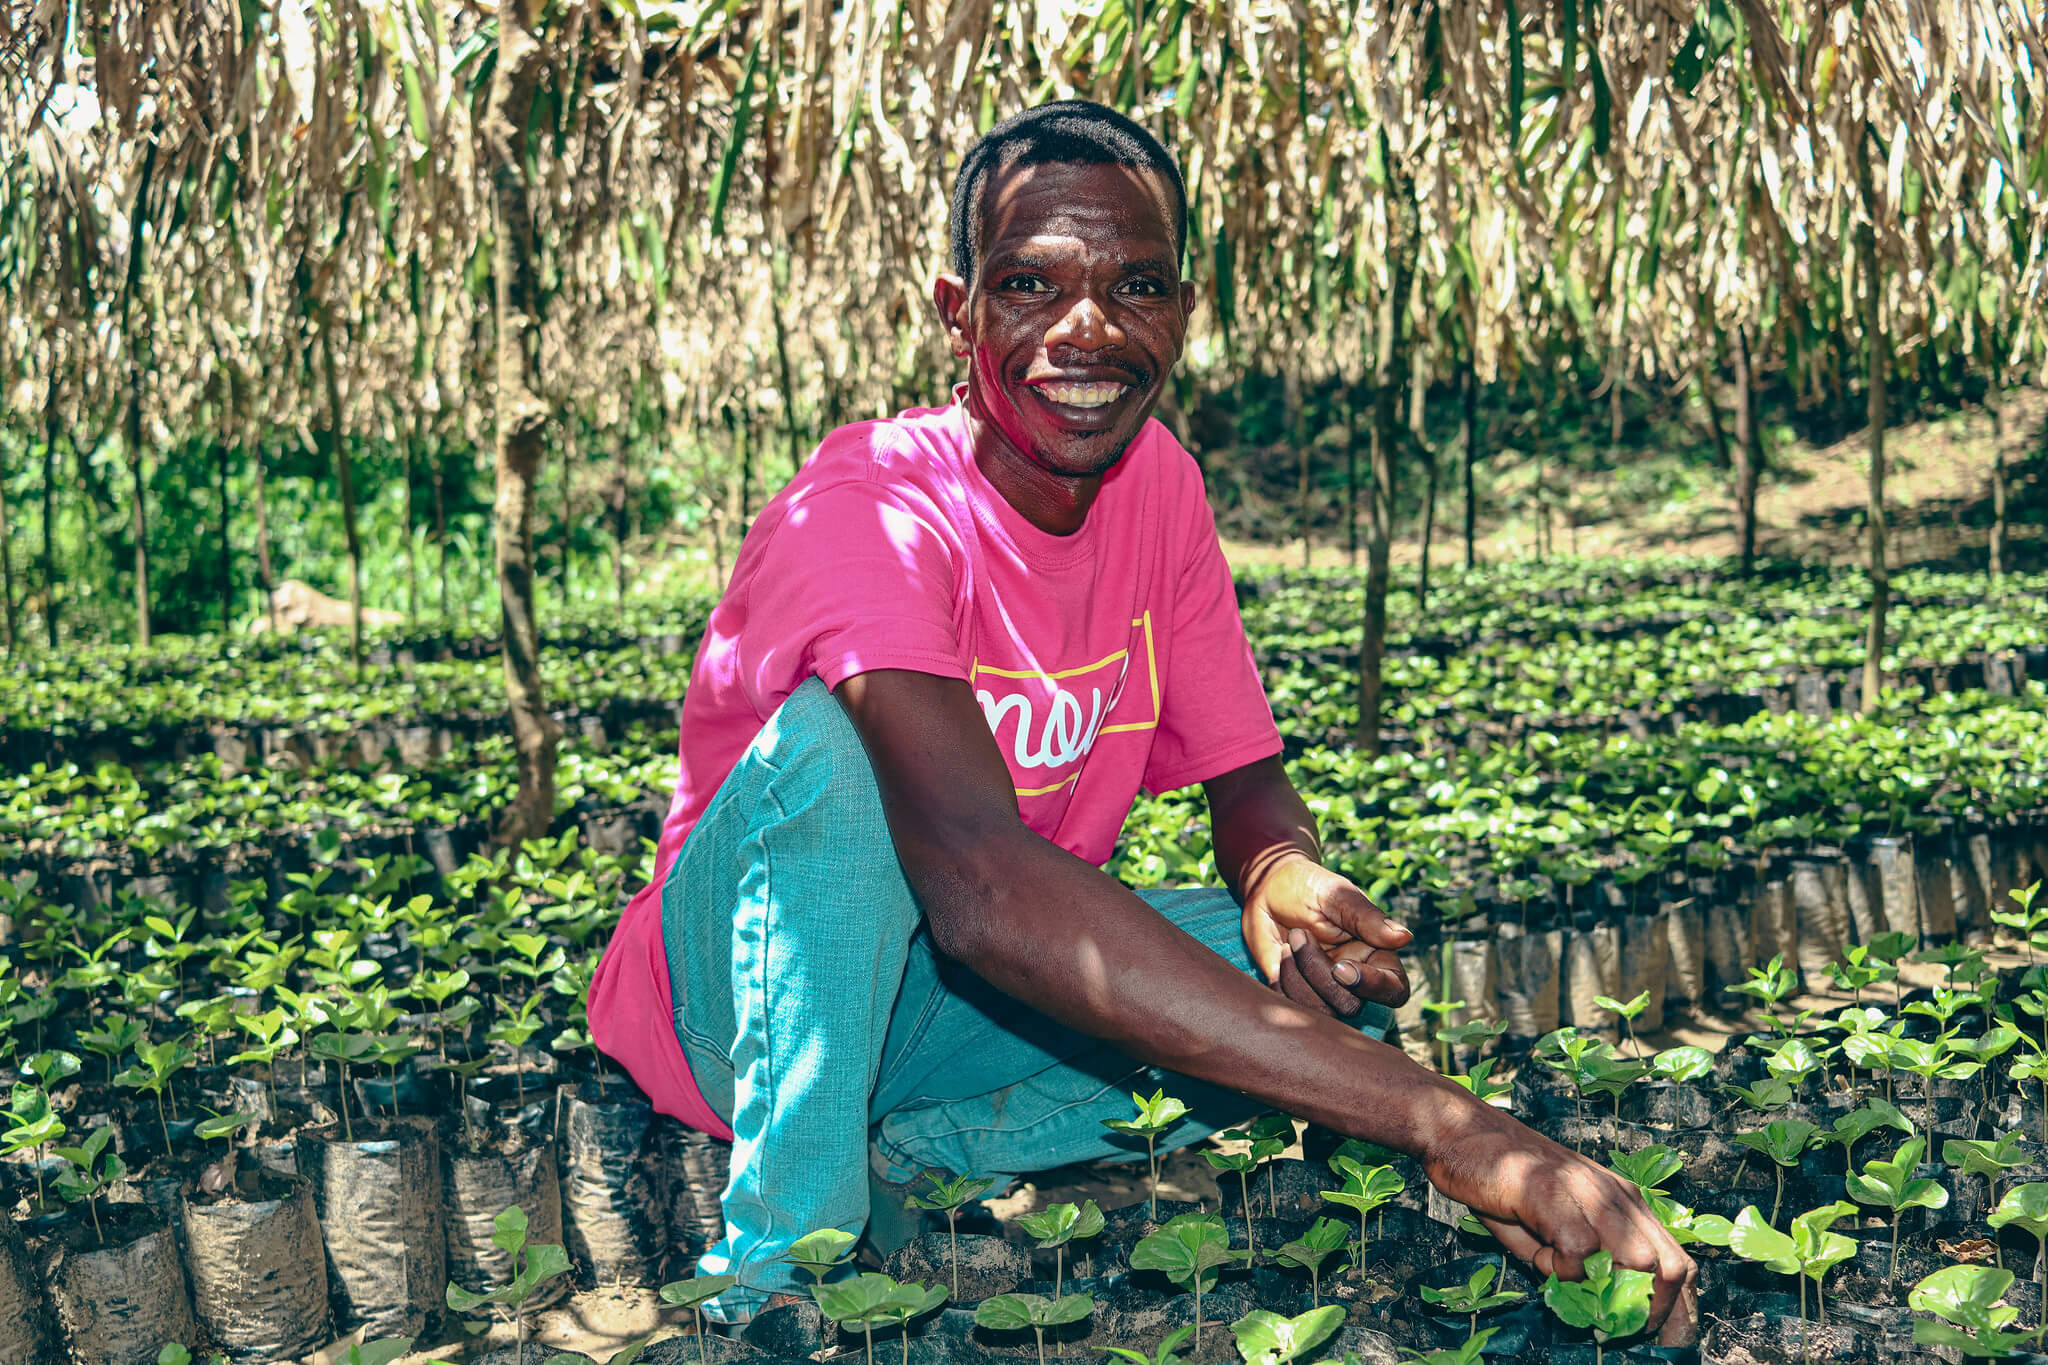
1086 326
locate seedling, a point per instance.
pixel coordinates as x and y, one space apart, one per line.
1154 1117
1309 1252
1015 1312
1782 1142
1629 1010
31 1122
1241 1162
1165 1355
1059 1225
90 1175
1682 1064
1687 1227
155 1066
866 1300
176 1353
820 1253
2026 919
1265 1338
1791 1060
2026 1207
1892 1185
692 1294
1769 985
1649 1168
1607 1074
1859 1124
116 1037
344 1050
1481 1083
1473 1352
947 1196
1269 1136
1474 1033
1366 1189
1477 1295
1808 1252
1856 971
1973 1320
1566 1050
220 1174
1987 1158
1190 1251
1767 1094
1930 1062
1612 1301
530 1270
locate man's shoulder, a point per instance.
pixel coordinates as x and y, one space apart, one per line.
912 447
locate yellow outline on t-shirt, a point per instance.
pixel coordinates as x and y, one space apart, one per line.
977 668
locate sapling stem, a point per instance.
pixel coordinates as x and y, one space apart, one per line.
953 1246
1152 1160
1036 1331
162 1122
1251 1238
1891 1273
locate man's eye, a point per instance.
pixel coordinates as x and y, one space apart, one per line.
1145 285
1023 284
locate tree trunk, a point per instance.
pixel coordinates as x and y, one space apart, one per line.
568 525
1418 410
619 477
227 549
1715 428
263 533
1351 479
138 515
1880 575
6 566
1380 516
2002 427
408 424
1747 452
344 473
521 421
1468 437
441 530
50 512
1297 432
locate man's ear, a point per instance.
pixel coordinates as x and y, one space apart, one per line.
949 296
1187 299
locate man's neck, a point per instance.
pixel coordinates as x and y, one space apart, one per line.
1056 504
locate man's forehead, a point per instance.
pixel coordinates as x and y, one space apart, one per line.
1088 201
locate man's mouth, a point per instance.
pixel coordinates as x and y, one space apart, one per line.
1083 395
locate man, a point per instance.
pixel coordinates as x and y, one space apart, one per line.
878 940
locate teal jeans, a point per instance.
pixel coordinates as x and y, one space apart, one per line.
819 1021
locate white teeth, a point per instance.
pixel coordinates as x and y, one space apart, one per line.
1084 395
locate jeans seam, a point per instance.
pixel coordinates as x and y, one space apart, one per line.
742 1263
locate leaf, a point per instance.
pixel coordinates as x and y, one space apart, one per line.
1756 1240
2023 1206
1265 1338
1190 1245
509 1230
1649 1168
689 1293
743 109
1964 1294
1007 1312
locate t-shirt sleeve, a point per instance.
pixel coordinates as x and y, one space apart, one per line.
1215 715
856 575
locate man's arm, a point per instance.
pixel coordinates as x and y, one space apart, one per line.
1061 935
1311 931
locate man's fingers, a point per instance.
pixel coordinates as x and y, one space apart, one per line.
1345 906
1368 972
1295 987
1315 967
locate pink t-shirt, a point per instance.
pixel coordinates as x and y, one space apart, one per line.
1104 661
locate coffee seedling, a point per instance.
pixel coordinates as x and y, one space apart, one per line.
1189 1250
1973 1321
31 1123
1767 1094
1309 1252
820 1253
1265 1338
1859 1124
1473 1352
1056 1227
1153 1118
1782 1142
692 1294
2026 1207
1477 1295
1628 1011
1016 1312
1892 1185
1165 1355
1610 1301
1481 1083
155 1065
1989 1158
947 1196
1808 1252
1474 1033
1769 985
176 1353
532 1267
219 1175
1648 1168
90 1175
1366 1189
1241 1162
867 1300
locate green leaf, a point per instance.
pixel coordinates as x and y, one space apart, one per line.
509 1230
1189 1247
2023 1206
1756 1240
1265 1338
743 110
689 1293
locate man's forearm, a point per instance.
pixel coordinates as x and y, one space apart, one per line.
1057 933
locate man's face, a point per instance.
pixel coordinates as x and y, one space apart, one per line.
1075 315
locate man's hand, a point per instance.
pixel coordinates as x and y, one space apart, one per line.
1552 1208
1317 938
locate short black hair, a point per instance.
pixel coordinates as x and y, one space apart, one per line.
1073 131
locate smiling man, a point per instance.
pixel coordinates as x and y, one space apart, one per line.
879 940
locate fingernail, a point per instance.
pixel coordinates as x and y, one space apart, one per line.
1297 940
1397 927
1345 973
